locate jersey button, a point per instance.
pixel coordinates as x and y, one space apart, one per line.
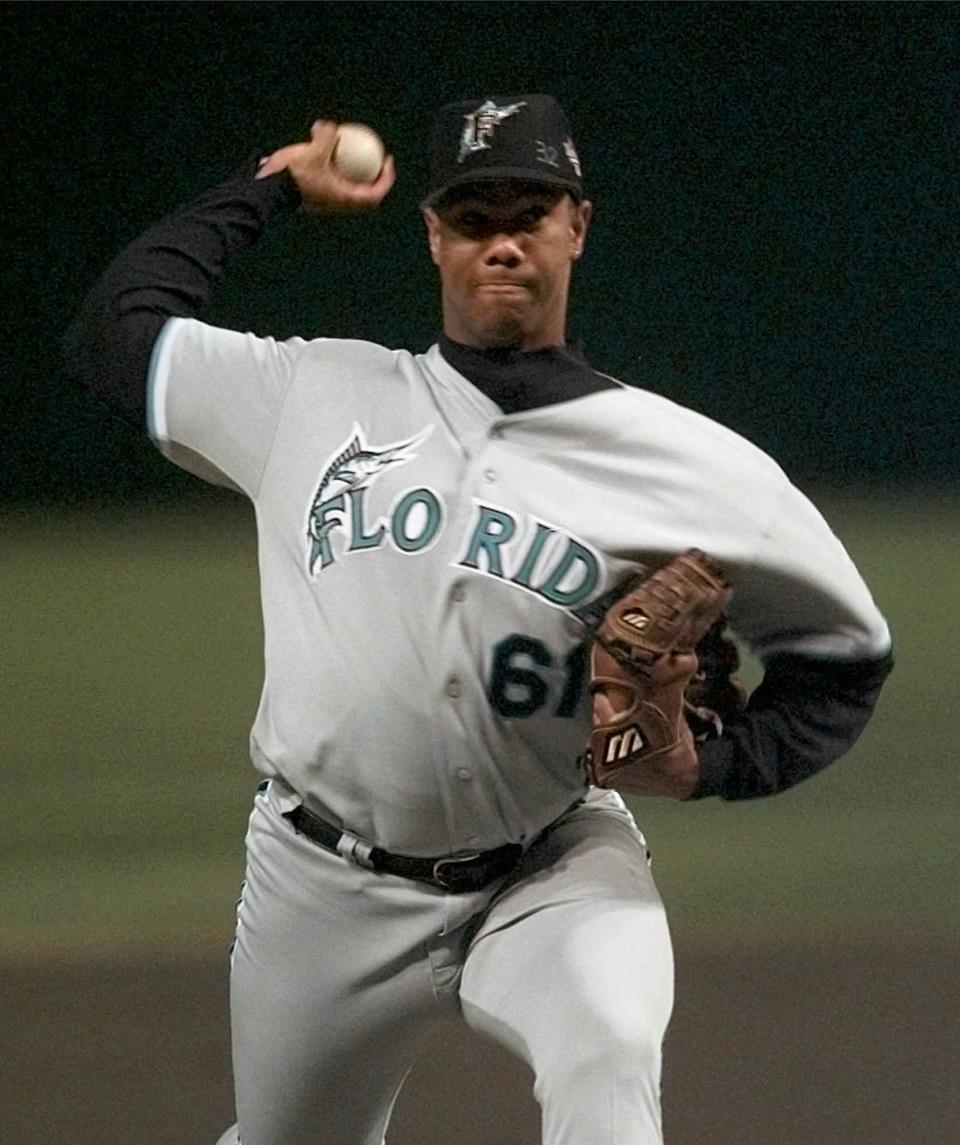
489 475
454 689
464 773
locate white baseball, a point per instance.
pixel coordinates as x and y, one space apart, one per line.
358 152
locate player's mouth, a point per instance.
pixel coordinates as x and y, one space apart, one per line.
508 289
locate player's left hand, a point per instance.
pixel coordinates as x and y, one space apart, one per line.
321 186
674 769
649 700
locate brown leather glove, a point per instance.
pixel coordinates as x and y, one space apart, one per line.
652 697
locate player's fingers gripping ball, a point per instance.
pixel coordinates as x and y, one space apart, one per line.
358 152
651 695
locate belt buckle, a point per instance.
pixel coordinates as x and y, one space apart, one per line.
440 878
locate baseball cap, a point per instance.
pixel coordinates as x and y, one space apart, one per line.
502 137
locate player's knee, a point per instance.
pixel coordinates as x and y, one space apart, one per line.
631 1057
605 1090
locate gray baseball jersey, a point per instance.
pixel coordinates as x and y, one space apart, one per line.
426 561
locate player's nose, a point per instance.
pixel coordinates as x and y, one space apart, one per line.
503 250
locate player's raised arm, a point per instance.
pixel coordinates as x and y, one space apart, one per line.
172 268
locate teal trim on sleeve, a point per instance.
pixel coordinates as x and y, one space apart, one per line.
157 378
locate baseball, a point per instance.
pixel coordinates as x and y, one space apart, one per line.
358 152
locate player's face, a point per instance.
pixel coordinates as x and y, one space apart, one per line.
504 252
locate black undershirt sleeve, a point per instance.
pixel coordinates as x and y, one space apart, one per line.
173 267
169 271
803 715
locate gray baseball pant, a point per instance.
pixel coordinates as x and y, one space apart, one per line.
339 973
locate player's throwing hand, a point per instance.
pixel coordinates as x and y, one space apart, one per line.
322 187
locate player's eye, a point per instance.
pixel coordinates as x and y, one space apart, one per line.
470 223
529 219
481 224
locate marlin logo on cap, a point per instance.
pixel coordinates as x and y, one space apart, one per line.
478 126
571 153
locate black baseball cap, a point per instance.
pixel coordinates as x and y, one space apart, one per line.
502 137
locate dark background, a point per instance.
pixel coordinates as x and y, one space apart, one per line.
775 239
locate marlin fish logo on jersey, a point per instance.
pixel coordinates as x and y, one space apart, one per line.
352 468
479 125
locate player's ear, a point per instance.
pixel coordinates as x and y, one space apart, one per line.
432 220
580 215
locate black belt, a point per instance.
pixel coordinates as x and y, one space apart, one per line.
454 873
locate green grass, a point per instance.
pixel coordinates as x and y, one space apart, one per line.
131 672
131 675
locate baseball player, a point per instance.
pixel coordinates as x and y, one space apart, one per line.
441 536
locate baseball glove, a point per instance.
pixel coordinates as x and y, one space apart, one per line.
662 672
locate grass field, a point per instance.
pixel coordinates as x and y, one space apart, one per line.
131 672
